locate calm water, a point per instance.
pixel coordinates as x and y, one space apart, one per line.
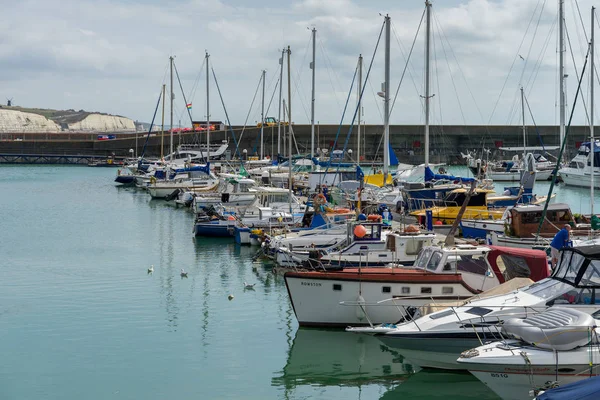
81 318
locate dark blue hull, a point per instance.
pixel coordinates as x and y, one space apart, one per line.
213 230
125 179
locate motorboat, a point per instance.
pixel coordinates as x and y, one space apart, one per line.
556 347
579 171
368 296
369 244
435 340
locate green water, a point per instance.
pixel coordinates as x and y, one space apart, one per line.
80 318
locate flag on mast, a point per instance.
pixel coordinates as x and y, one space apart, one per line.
189 106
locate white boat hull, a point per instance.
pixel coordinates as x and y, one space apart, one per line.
316 302
573 177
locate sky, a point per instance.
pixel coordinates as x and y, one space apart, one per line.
112 56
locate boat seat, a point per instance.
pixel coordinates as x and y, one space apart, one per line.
558 328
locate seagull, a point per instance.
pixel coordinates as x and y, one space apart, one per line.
183 273
230 297
521 57
249 286
151 269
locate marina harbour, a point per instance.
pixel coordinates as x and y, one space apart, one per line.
82 318
275 259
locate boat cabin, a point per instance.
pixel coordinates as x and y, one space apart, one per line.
578 276
524 220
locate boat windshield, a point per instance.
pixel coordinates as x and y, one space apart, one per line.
579 271
548 289
423 258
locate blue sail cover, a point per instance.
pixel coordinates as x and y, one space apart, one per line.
199 168
586 389
393 158
430 175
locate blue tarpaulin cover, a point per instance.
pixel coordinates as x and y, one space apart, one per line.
586 389
430 175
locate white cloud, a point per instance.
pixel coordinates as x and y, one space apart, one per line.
112 55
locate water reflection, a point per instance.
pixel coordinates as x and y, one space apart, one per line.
436 384
331 357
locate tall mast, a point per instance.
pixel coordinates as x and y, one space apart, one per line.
561 70
290 131
171 123
360 64
162 126
386 103
427 40
592 140
262 116
524 134
312 106
279 107
289 103
207 113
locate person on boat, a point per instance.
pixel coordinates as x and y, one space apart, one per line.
561 239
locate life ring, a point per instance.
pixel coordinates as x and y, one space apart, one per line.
374 217
341 210
320 199
412 229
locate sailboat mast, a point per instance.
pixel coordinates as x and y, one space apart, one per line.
386 102
360 64
262 116
162 126
592 140
289 118
207 113
561 70
312 106
171 123
279 107
427 40
524 134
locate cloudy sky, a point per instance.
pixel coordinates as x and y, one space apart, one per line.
112 56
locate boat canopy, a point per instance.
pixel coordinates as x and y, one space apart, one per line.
579 267
430 176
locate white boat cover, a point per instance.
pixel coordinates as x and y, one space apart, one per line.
507 287
558 328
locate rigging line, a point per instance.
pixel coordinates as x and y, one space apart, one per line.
462 74
363 89
587 116
407 59
327 67
514 108
441 137
298 89
192 93
359 97
272 96
150 129
582 26
535 126
326 55
562 147
407 65
182 93
251 105
512 65
375 98
237 149
540 59
451 78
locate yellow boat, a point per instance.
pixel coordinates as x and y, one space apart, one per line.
477 208
377 179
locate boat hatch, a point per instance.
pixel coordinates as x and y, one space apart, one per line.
479 311
441 314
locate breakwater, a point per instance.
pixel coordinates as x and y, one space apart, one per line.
446 142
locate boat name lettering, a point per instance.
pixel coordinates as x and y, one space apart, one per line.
310 284
499 375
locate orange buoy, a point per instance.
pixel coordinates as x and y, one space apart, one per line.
360 231
438 222
374 217
231 218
